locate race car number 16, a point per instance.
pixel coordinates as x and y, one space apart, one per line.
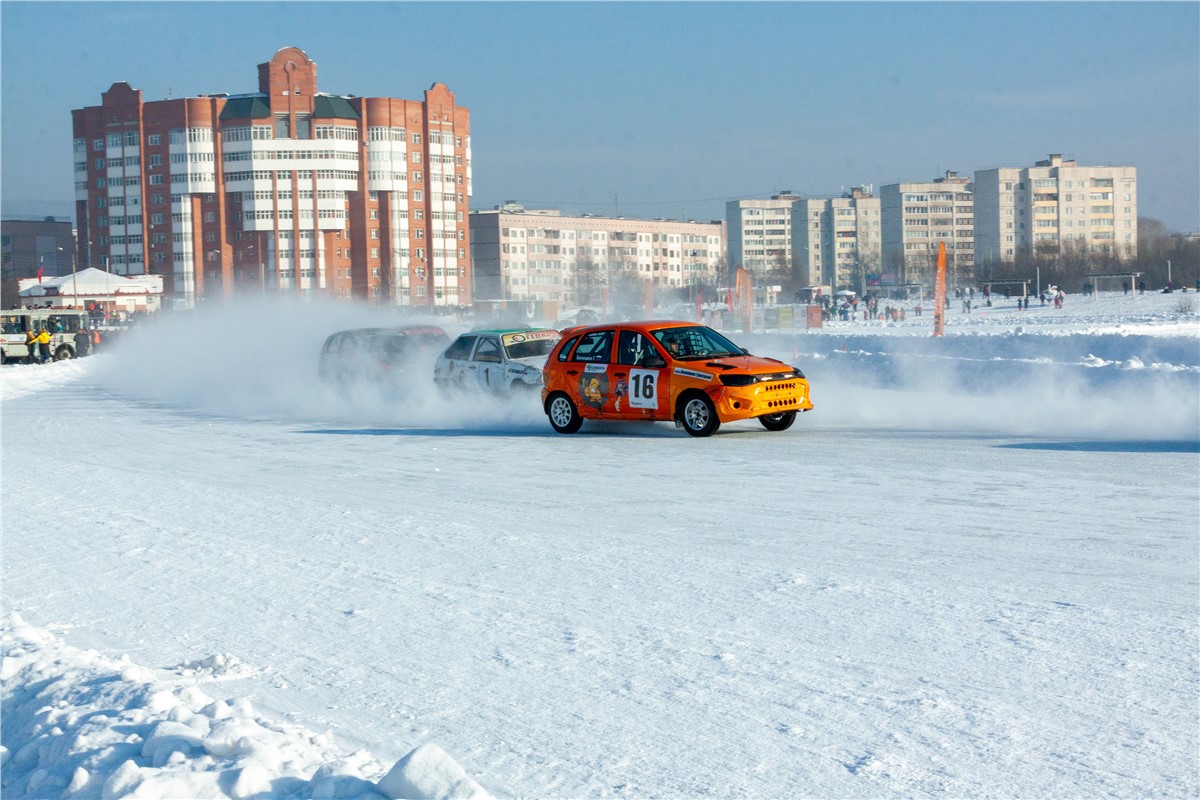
643 388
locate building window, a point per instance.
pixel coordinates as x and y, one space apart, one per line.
154 139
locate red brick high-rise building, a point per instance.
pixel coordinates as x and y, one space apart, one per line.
285 190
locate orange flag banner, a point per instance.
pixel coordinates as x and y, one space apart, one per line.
939 293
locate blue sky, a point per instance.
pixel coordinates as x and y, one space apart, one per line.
660 109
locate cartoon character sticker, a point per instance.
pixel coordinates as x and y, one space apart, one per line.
593 389
621 389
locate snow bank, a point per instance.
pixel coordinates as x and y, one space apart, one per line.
18 380
79 724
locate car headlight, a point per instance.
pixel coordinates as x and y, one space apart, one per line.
738 380
799 374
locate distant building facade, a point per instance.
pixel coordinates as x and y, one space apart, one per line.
1055 207
760 235
836 241
286 190
539 254
33 242
915 218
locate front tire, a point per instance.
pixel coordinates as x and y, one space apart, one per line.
778 422
698 415
64 353
563 415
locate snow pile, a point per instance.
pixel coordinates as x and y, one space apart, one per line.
18 380
78 724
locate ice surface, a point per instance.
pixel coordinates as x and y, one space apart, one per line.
970 571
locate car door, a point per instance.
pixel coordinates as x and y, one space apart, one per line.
487 362
593 388
640 378
450 368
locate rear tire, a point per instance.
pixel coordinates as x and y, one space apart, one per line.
778 422
564 416
698 415
64 353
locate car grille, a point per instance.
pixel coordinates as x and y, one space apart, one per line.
775 401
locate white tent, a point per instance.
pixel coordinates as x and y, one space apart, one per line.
134 292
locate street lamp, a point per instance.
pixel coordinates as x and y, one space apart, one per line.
58 268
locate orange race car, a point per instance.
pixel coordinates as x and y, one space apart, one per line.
654 371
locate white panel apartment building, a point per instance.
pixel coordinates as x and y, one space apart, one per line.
1055 207
538 254
760 234
915 218
836 241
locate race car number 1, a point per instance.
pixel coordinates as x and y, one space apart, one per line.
643 388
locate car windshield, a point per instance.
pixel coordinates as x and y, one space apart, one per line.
428 340
695 342
531 344
390 348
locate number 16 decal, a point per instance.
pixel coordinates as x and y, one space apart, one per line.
643 388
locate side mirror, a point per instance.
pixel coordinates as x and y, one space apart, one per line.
745 352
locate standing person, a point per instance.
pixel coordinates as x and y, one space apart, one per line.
43 340
32 345
83 342
95 338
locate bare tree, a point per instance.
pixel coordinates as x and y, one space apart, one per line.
588 282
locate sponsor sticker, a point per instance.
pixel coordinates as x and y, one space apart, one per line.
691 373
595 368
530 336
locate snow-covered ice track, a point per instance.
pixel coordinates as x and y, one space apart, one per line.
921 589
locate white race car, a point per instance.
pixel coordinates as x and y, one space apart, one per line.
501 361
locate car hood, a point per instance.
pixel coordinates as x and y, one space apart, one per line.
537 362
754 365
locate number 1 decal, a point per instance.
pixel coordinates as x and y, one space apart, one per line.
643 388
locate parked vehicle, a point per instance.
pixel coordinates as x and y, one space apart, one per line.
657 371
62 324
498 362
388 355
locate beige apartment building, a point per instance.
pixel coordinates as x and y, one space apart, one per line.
1053 208
915 219
539 254
760 235
836 240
